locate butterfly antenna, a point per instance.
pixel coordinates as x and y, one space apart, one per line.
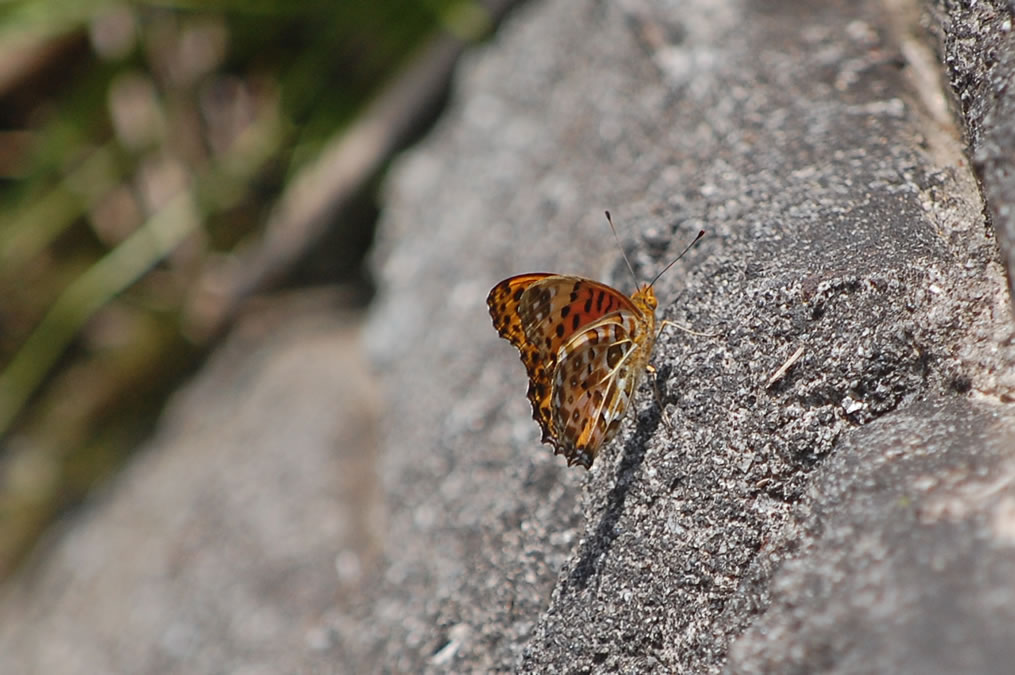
673 262
634 276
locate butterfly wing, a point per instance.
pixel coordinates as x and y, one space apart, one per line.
557 319
556 307
594 383
504 302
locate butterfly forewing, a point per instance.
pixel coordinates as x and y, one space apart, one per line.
504 302
555 308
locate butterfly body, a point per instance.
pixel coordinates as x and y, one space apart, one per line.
584 345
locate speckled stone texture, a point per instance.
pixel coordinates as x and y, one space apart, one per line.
977 47
822 522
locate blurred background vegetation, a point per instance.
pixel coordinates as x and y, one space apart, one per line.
161 162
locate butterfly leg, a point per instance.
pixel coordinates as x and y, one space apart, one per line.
659 399
667 322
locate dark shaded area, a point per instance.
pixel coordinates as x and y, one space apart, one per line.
599 544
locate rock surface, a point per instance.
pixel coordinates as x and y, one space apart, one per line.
856 514
816 146
978 50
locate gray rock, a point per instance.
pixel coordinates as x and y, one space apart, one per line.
815 146
978 50
903 559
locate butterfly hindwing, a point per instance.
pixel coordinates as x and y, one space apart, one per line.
594 383
504 301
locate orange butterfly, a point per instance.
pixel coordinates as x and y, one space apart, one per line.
585 346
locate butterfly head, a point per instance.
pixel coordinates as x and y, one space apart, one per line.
645 298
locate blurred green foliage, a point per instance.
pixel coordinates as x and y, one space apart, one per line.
140 142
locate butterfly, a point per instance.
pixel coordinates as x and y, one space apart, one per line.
584 345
